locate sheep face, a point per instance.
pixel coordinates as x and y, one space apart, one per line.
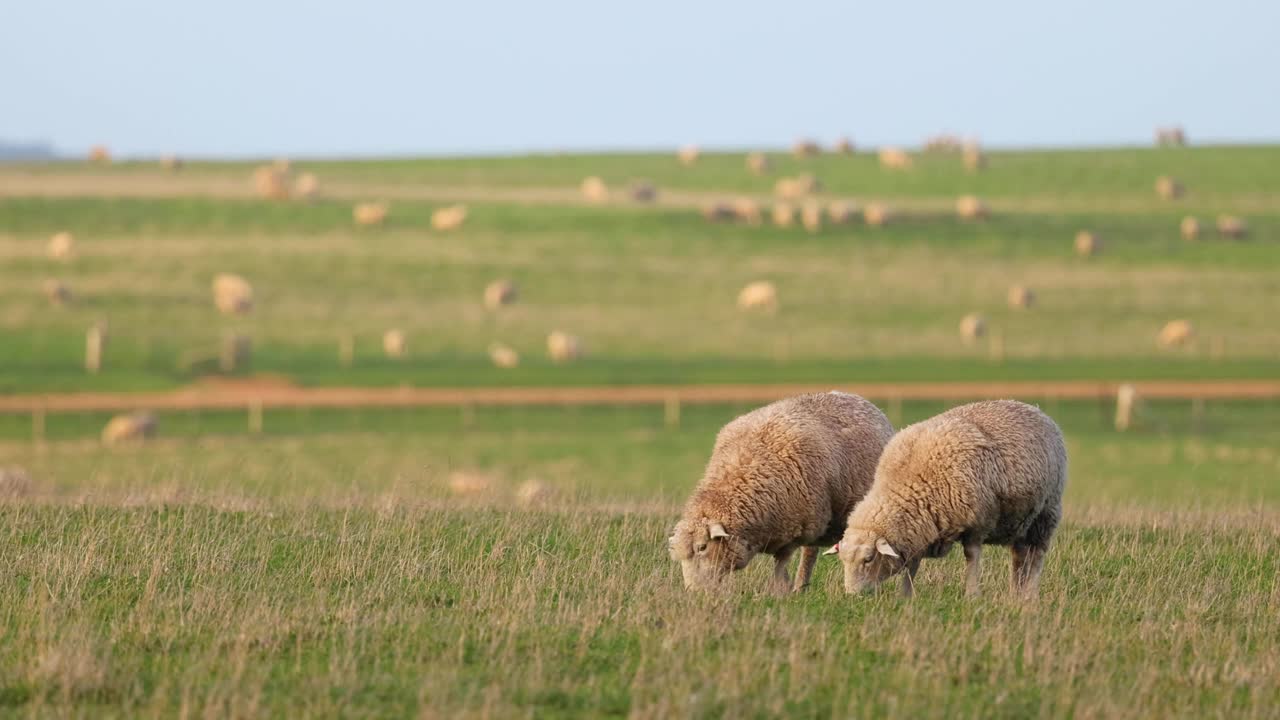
868 561
707 553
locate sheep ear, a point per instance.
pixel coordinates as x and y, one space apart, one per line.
718 531
885 548
833 550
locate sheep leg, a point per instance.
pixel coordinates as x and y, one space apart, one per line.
781 583
1028 561
909 578
972 568
808 558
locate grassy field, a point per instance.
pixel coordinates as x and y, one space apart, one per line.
327 568
856 302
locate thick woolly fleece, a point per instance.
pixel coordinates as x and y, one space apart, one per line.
988 473
781 477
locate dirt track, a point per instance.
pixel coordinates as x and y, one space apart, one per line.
271 396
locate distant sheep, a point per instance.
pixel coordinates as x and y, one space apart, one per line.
502 356
1232 227
62 246
784 214
1168 188
467 483
1088 243
563 347
306 187
943 142
172 163
499 293
892 158
594 190
969 207
1190 228
973 157
987 473
781 478
450 217
972 327
797 188
368 214
843 146
758 163
100 155
271 182
688 155
1170 136
719 212
804 148
1021 297
57 292
811 215
841 212
1175 333
643 192
877 214
759 295
394 343
232 294
129 428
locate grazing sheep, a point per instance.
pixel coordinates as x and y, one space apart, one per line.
943 142
798 187
811 215
892 158
988 473
394 343
62 246
643 192
1088 243
973 157
503 356
129 428
780 478
594 190
271 182
688 155
467 483
747 210
14 483
1232 227
1170 136
499 293
972 327
969 207
877 214
1175 333
306 187
533 493
450 217
370 213
100 154
563 347
784 214
804 148
1168 188
758 163
232 294
1021 297
841 212
57 292
760 294
843 146
1190 228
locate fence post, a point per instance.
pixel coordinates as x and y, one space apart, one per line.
94 343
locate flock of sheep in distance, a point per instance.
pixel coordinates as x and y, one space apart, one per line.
812 470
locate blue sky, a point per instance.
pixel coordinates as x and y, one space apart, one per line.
257 77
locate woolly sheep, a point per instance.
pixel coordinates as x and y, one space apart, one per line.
1175 333
306 187
464 482
841 212
1021 297
758 163
1232 227
370 213
759 294
503 356
798 187
1190 228
892 158
747 210
805 148
129 428
643 192
448 218
499 293
271 182
100 154
62 246
563 347
988 473
972 327
594 189
57 292
877 214
843 146
811 215
688 155
394 343
232 294
1088 243
969 207
1170 136
1168 188
943 142
784 214
780 478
